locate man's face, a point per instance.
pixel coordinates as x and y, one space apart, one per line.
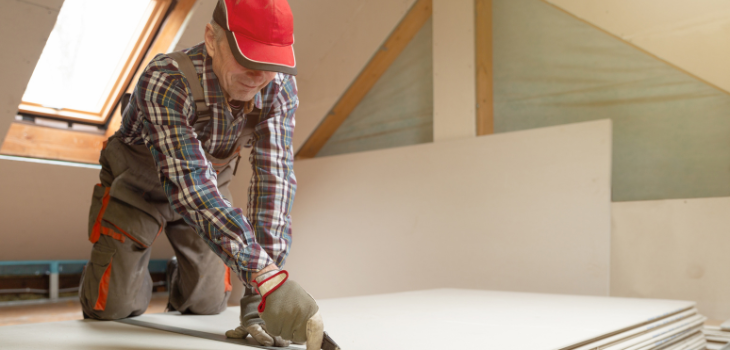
238 82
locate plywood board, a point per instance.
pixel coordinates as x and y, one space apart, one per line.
524 211
673 249
425 320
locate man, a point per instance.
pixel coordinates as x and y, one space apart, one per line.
168 168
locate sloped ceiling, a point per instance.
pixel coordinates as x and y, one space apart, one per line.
26 26
398 110
192 32
334 40
690 35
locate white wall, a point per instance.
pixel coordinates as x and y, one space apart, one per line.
673 249
44 212
523 211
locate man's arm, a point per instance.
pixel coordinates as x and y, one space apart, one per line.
272 187
186 175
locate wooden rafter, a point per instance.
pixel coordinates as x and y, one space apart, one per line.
409 26
483 48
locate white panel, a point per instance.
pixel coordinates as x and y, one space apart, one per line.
454 87
673 249
691 35
525 211
426 320
25 26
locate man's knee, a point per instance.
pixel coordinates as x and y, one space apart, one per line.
210 305
114 303
111 289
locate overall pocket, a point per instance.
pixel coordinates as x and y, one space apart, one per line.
98 271
128 214
99 201
133 223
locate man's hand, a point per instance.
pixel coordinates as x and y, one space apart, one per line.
288 310
252 324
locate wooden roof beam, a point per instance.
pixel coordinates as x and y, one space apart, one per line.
485 72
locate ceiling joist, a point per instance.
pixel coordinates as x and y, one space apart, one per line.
483 48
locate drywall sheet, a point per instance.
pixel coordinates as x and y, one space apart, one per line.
674 249
427 320
398 110
524 211
31 23
671 131
691 35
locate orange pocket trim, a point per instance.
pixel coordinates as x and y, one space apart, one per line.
113 234
104 288
227 280
130 236
96 229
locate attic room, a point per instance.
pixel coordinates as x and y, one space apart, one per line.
381 174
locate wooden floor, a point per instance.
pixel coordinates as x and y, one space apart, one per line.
61 311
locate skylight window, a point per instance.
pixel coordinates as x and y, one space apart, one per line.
90 56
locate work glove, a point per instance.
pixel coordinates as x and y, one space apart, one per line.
252 324
288 310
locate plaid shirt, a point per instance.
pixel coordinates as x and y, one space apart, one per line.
160 114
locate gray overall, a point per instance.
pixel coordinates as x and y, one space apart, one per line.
129 209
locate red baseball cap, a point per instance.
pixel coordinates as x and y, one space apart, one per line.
260 33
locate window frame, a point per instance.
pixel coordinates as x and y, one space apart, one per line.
35 141
156 10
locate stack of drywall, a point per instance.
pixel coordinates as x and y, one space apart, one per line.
425 320
718 335
678 331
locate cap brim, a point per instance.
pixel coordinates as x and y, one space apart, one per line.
257 56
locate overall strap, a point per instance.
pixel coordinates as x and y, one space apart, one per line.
202 112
